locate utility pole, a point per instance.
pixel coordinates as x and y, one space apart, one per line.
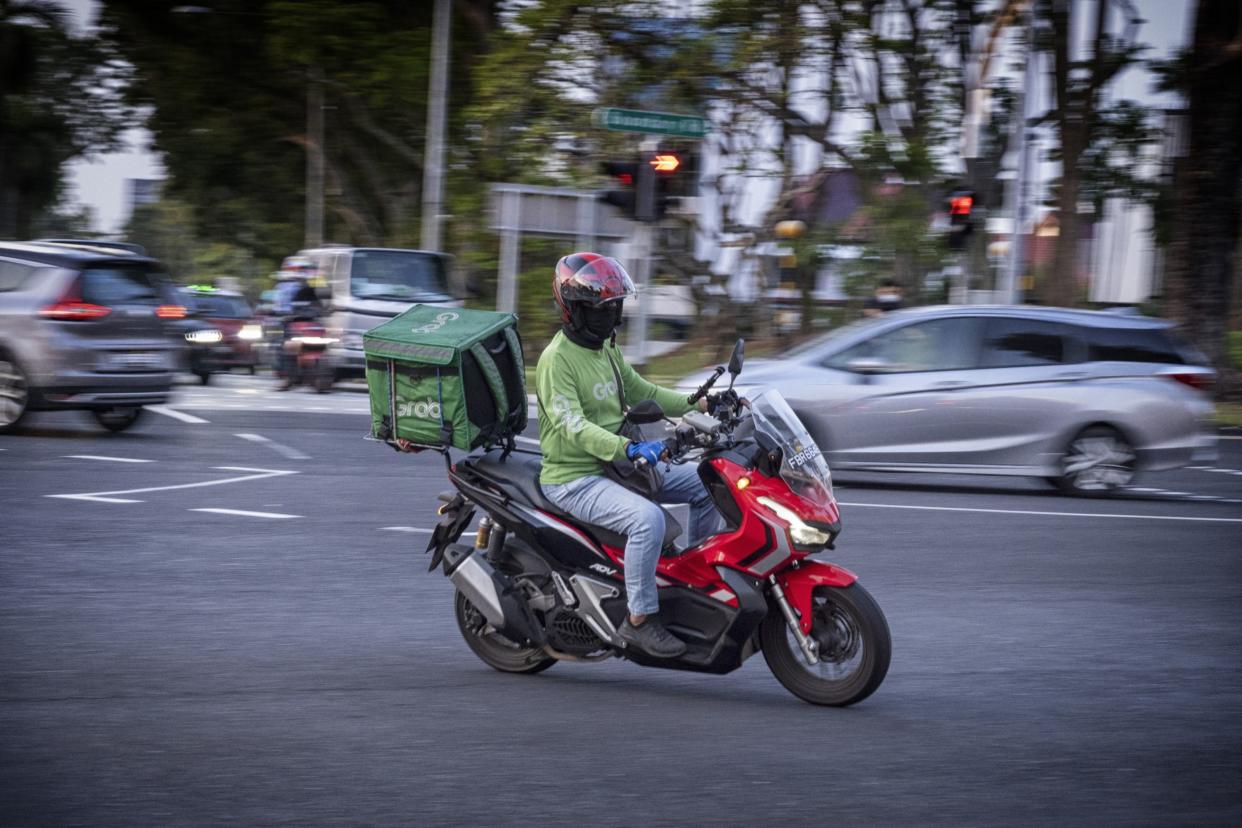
437 92
314 157
1010 290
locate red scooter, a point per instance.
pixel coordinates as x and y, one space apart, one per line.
539 585
307 359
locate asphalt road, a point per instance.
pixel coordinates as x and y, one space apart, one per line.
1055 660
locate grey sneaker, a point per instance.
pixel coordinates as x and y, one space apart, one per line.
652 638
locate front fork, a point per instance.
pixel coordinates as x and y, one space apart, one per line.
808 645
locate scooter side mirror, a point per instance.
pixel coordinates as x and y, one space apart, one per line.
739 354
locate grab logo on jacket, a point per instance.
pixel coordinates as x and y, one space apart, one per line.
604 390
564 411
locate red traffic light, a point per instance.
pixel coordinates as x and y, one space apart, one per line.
961 205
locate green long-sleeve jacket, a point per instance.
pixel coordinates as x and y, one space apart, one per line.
580 410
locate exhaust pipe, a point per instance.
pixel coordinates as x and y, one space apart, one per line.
492 594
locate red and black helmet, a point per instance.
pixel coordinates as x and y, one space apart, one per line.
589 279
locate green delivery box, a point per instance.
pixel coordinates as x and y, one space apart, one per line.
446 376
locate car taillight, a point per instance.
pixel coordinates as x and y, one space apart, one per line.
73 310
1197 381
170 312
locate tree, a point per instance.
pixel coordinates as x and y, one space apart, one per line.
1208 199
1078 87
58 101
226 87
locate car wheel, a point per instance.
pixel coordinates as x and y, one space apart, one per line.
117 418
14 394
1097 462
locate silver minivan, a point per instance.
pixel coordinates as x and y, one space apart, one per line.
367 285
1084 399
83 327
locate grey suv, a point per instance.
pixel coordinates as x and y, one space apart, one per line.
82 327
1084 399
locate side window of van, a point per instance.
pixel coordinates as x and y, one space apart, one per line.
1013 343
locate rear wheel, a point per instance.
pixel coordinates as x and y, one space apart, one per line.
324 376
118 418
497 652
854 648
14 394
1097 462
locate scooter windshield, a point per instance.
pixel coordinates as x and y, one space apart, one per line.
803 467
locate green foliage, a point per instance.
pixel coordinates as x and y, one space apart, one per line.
168 231
58 102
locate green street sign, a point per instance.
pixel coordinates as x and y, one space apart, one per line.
656 123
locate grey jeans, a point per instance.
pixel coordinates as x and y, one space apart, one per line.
600 501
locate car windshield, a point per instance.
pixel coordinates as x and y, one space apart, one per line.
397 276
803 467
218 306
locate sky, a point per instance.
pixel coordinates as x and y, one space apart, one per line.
100 184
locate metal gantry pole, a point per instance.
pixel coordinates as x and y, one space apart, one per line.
437 93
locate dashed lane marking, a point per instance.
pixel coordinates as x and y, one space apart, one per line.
418 529
110 459
279 448
244 513
532 441
175 414
1039 513
107 497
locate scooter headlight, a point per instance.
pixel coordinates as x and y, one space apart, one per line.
802 533
250 332
314 340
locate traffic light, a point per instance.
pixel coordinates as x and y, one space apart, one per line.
623 197
648 187
675 177
961 221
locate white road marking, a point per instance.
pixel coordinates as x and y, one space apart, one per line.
106 497
420 530
279 448
1033 512
530 440
1228 437
102 457
175 414
244 513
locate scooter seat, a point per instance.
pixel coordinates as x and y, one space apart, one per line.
519 473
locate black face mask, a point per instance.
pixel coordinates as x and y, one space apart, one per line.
593 326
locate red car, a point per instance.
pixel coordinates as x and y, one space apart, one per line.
232 316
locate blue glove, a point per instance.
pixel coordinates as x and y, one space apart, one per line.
649 451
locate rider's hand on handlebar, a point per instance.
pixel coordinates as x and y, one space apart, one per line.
650 450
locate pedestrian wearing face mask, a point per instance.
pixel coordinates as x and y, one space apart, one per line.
887 297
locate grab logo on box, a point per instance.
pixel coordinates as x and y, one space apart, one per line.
439 322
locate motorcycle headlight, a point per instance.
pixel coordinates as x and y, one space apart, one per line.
250 332
802 533
314 340
207 336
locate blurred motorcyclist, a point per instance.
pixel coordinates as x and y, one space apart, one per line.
295 299
579 414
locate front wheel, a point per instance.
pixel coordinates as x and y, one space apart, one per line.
854 648
497 652
118 418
